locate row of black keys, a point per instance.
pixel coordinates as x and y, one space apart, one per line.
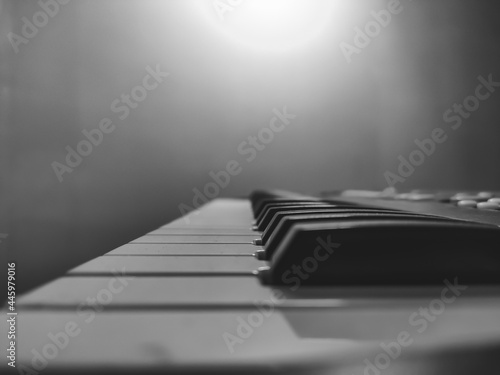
307 240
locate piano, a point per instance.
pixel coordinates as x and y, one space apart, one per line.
350 282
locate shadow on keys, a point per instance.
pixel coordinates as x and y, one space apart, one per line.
437 359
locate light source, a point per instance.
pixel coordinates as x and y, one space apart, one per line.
269 24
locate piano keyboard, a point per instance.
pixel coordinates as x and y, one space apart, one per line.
277 283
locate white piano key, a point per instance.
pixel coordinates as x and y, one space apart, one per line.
174 292
165 238
222 212
220 231
172 264
186 249
163 341
143 291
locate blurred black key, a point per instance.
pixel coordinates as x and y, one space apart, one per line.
386 252
318 209
263 221
269 206
259 195
278 229
262 204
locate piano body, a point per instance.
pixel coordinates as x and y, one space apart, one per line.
115 111
194 297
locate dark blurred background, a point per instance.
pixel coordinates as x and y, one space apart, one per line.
353 119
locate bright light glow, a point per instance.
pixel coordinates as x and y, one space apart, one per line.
270 24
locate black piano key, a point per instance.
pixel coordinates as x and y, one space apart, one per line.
270 206
275 235
262 204
259 195
266 225
267 215
386 252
